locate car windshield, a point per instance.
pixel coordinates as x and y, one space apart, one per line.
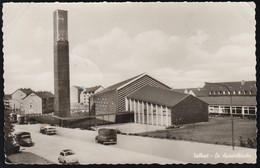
26 136
107 131
51 128
69 153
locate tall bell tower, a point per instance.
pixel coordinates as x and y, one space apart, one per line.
61 64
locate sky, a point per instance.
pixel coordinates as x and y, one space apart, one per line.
181 44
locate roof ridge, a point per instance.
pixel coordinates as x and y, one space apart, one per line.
119 84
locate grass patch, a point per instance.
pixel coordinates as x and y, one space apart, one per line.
216 131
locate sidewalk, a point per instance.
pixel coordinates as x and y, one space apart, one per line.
27 158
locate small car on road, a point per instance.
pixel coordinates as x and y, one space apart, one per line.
67 156
48 130
106 136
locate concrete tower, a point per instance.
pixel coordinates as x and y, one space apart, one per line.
61 64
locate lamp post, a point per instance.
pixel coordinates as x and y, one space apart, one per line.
231 111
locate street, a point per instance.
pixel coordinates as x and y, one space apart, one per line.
131 149
87 150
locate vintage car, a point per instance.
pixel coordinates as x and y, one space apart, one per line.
67 156
106 136
48 130
23 138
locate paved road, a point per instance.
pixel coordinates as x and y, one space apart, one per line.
87 150
132 149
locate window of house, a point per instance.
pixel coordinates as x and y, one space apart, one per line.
250 92
239 110
216 109
164 111
30 105
252 110
246 110
239 92
234 92
227 109
211 109
233 110
224 92
154 109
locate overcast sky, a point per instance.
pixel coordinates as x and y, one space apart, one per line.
181 44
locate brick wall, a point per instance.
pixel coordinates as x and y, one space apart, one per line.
190 110
61 79
104 104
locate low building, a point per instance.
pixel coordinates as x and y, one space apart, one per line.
110 102
156 106
38 103
241 105
224 97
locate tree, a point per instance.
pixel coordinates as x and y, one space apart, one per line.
8 136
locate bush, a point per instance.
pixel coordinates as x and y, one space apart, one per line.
249 143
242 142
172 137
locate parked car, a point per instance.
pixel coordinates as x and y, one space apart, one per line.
48 130
67 156
106 136
23 138
173 126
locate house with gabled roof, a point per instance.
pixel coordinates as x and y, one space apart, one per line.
163 107
41 102
246 88
17 96
110 102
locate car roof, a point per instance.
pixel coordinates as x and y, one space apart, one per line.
106 129
48 126
22 132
